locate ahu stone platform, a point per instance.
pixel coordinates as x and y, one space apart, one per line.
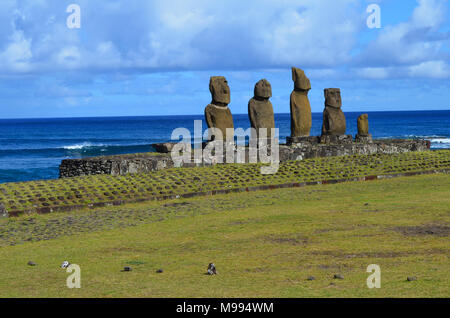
297 149
115 165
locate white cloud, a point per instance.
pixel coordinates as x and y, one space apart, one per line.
372 72
411 43
151 36
17 54
429 13
431 69
192 35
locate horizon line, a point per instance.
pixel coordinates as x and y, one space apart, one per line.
136 116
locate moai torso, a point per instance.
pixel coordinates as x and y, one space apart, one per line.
260 109
300 106
333 116
217 114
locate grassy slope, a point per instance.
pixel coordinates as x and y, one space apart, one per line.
265 244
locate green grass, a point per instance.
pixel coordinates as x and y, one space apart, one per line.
26 197
264 244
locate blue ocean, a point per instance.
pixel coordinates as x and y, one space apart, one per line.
32 149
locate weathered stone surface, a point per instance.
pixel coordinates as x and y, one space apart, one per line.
364 139
333 97
301 82
217 114
166 147
219 117
302 140
336 139
260 109
299 104
302 151
363 135
220 91
263 89
333 116
114 165
363 125
3 212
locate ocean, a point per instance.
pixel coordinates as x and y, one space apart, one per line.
32 149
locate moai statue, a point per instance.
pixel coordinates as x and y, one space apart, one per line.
217 114
300 107
333 116
260 109
363 125
363 129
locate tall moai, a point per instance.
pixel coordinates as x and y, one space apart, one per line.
300 106
260 109
217 113
333 117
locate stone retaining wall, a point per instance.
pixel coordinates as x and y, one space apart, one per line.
309 147
114 165
312 149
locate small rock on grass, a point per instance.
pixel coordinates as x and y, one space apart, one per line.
411 278
338 276
31 263
65 264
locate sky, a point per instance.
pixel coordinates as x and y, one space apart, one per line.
147 57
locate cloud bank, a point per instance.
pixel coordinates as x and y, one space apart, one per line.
154 36
130 54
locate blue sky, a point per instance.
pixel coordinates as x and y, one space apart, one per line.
145 57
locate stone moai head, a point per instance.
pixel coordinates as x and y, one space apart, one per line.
301 82
333 97
220 91
363 117
263 89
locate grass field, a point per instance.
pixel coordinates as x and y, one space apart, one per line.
264 244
